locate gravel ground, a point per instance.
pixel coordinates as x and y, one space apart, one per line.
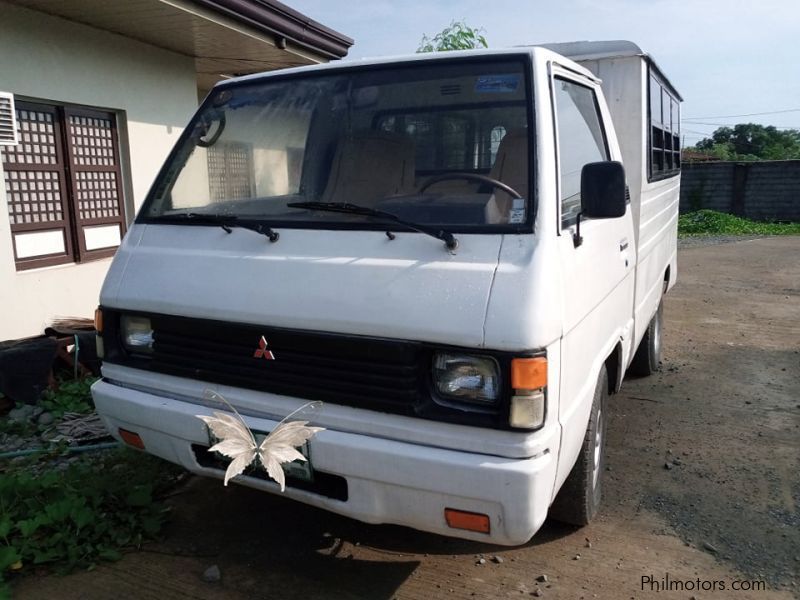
696 241
703 484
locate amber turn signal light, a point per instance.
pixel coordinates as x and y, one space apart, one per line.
459 519
529 373
131 438
98 319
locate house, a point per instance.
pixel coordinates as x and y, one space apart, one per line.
97 93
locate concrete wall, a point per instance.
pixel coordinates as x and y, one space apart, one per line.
763 190
154 92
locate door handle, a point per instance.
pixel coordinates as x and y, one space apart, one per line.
623 247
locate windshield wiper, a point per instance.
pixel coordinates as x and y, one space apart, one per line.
227 222
354 209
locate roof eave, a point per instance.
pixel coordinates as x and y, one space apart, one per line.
275 18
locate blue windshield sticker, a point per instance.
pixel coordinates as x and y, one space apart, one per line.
497 84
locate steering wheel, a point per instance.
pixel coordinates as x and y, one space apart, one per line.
471 177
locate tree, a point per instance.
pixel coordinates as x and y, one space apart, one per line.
457 36
750 141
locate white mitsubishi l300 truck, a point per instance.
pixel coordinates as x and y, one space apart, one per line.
459 254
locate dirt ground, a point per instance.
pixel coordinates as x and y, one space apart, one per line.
702 484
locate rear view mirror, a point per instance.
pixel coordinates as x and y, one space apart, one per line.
603 190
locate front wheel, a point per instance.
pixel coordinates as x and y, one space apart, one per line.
579 498
648 354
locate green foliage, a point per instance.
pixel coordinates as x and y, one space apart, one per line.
22 428
710 222
88 513
750 141
457 36
71 395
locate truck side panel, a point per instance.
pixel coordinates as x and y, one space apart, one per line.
654 206
657 249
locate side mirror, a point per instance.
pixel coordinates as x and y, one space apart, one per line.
603 190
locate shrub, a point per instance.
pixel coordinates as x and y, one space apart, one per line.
711 222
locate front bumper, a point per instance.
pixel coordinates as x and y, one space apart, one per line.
388 481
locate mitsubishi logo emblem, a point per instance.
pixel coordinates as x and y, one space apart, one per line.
262 352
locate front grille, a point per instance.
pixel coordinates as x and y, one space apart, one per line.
364 372
386 375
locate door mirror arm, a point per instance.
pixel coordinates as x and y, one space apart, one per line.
577 238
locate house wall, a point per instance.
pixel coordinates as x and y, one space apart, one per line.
155 92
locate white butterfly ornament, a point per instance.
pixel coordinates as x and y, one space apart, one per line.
237 442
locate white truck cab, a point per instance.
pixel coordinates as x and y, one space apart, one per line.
460 254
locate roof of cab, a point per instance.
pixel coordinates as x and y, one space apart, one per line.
389 60
585 50
575 51
595 50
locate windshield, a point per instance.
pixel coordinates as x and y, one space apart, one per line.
442 144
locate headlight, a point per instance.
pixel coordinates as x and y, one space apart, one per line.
467 378
529 380
137 334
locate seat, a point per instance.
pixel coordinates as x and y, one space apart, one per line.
511 167
369 166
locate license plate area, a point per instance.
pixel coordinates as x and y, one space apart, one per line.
298 469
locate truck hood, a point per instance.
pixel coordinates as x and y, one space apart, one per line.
355 282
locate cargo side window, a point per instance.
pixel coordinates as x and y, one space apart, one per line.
580 141
664 141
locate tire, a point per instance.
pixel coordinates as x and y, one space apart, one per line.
648 355
578 500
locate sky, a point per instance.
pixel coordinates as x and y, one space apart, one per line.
725 57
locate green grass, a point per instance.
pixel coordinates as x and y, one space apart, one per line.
88 513
711 222
70 395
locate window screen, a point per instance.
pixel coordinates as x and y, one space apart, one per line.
63 185
664 143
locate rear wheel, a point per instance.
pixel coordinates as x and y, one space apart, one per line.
648 354
579 498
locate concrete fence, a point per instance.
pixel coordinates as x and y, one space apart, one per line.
763 190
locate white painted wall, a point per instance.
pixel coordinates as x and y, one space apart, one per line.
47 58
